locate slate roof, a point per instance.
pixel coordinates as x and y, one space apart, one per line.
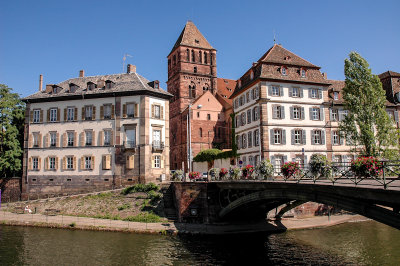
191 36
122 83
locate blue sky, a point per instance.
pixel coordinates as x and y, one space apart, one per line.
58 38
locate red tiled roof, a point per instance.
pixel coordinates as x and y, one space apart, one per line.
388 74
225 88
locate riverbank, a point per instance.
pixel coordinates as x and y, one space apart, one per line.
85 223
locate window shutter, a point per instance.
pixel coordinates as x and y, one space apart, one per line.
31 116
40 140
76 114
46 163
112 138
47 140
322 137
58 114
291 112
152 110
292 136
30 141
65 114
330 114
104 162
57 139
30 164
39 163
82 163
75 139
303 136
280 91
56 163
112 111
282 112
48 115
341 116
108 161
162 162
83 113
64 163
136 114
284 136
93 139
321 114
41 116
132 161
301 92
302 114
74 166
271 136
269 90
94 113
162 112
64 140
274 111
312 137
309 92
101 139
93 163
101 112
124 110
319 94
152 162
290 92
310 111
82 139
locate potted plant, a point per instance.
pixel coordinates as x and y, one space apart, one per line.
194 175
290 169
247 171
320 166
214 173
366 166
223 173
234 172
177 175
265 169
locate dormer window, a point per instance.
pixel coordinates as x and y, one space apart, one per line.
109 84
196 41
284 71
251 75
303 73
91 86
156 84
336 95
54 89
72 88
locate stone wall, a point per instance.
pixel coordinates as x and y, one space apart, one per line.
11 189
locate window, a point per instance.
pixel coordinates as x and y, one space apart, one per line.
256 137
70 114
53 115
52 163
89 138
248 97
70 162
200 56
318 137
278 163
284 70
238 142
88 112
255 114
109 84
315 113
70 138
250 139
193 58
130 110
157 113
335 138
157 138
36 140
242 100
35 163
278 112
157 161
200 132
300 160
36 116
296 112
91 86
244 160
187 55
53 139
244 141
334 114
275 91
297 136
107 137
251 160
249 116
208 117
236 103
205 58
277 136
195 70
295 92
336 95
243 116
313 93
88 162
303 73
107 111
256 93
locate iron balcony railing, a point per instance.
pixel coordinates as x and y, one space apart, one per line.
158 145
129 144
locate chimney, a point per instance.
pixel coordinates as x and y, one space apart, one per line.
325 75
81 73
40 82
49 88
131 69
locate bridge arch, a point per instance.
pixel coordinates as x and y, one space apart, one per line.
365 208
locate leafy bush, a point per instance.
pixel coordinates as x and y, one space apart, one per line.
207 155
290 169
141 188
154 197
194 175
247 171
178 175
366 167
214 173
265 169
123 207
320 166
223 173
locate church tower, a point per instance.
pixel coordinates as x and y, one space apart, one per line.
192 72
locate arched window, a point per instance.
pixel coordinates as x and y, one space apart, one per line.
192 91
284 71
174 60
187 55
200 56
193 58
211 59
201 132
205 58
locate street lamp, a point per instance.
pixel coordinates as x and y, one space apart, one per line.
189 132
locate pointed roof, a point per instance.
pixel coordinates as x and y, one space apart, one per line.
389 74
191 36
279 55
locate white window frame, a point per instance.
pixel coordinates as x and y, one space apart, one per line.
296 112
53 114
107 137
88 162
157 111
70 162
335 137
35 163
107 111
36 116
157 161
298 136
53 139
52 163
256 138
88 138
70 113
88 112
303 73
315 112
314 93
70 138
130 110
296 92
275 91
317 137
277 136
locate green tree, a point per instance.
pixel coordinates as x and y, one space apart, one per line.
11 133
367 124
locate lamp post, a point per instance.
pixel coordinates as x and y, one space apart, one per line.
189 132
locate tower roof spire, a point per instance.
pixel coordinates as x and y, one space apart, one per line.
191 36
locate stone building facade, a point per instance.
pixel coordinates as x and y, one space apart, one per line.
193 81
96 133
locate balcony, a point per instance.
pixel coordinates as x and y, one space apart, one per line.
158 145
130 145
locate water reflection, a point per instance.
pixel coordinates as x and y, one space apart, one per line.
358 243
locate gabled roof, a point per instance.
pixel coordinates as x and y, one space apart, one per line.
389 74
191 36
279 55
123 83
225 88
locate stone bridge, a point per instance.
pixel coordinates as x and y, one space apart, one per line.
225 201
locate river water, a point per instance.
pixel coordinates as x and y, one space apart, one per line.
364 243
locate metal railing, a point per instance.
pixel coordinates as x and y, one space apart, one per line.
158 145
130 144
